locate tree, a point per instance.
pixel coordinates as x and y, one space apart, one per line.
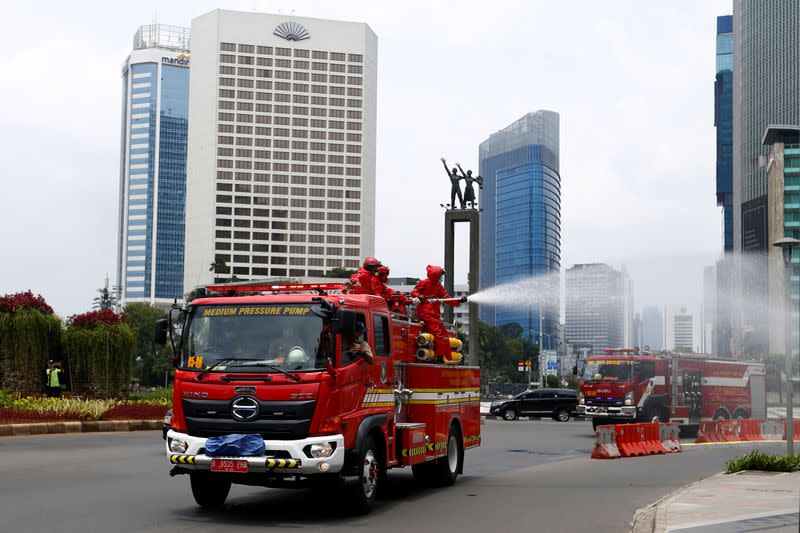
106 300
339 272
148 365
552 381
220 265
511 330
501 354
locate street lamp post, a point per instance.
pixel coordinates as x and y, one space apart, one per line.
787 244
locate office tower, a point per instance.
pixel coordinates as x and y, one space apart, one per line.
521 220
652 328
281 169
596 307
155 96
783 172
723 122
766 84
678 329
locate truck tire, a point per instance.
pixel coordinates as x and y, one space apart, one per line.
739 414
209 492
509 414
370 474
450 465
653 414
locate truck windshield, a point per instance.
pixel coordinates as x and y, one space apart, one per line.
607 370
255 337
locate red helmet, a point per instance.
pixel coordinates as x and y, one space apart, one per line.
371 264
383 272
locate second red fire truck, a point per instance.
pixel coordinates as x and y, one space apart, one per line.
623 385
282 363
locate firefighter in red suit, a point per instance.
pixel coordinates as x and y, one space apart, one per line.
365 281
397 301
430 313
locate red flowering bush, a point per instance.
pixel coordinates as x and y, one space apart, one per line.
94 318
24 300
135 411
23 416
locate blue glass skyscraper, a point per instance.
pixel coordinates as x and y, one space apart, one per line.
521 221
723 121
153 166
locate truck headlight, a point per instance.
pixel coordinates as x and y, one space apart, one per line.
320 450
581 399
178 445
629 398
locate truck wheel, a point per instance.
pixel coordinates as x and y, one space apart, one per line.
739 414
209 492
653 415
562 415
450 465
509 414
721 414
370 474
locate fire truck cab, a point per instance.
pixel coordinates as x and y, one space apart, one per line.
285 363
624 385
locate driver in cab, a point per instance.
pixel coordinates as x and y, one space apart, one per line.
359 347
287 348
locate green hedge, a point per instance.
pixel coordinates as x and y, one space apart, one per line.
28 339
100 357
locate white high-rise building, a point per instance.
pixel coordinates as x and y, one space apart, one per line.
155 93
678 328
281 167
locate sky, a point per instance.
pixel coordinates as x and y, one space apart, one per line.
631 80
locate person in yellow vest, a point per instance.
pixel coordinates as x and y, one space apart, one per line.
53 373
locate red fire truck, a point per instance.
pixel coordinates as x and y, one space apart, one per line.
279 361
623 385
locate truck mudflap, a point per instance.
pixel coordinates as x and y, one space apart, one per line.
281 456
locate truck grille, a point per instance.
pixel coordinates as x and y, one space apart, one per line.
604 402
276 420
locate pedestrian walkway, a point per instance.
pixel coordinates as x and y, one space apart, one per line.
727 503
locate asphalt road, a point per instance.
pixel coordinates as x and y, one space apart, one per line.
526 476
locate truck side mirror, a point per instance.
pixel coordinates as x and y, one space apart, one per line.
575 370
345 320
161 331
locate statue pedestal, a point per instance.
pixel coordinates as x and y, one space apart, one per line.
451 218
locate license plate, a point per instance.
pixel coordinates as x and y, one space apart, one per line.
229 465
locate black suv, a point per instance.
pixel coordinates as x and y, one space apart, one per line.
560 404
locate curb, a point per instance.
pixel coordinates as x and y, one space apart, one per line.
14 430
658 511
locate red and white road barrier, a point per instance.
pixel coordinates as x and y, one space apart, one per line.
745 429
632 440
605 446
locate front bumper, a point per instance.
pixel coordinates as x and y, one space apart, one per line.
497 409
274 460
610 411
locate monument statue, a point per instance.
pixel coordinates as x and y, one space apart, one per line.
455 187
469 190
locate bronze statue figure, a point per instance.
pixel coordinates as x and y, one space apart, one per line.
455 187
469 190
